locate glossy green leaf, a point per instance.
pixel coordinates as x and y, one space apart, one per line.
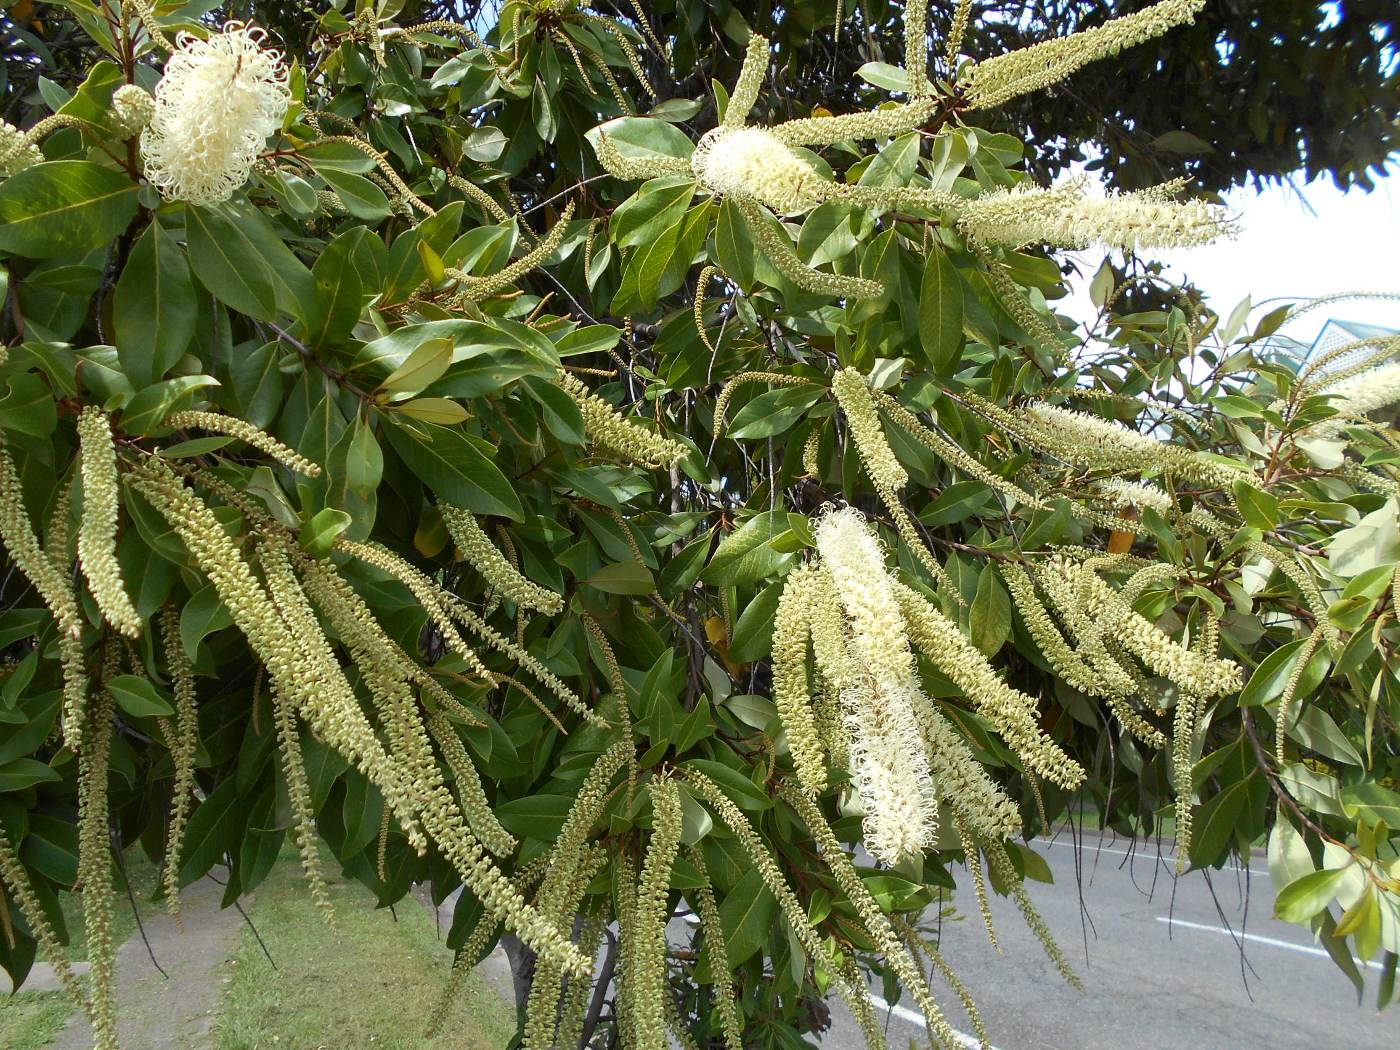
453 467
154 310
138 697
64 207
940 313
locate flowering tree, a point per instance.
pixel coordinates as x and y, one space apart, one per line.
415 450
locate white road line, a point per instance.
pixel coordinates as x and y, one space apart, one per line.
1305 949
914 1017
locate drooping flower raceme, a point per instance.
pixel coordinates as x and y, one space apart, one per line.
216 105
889 764
754 164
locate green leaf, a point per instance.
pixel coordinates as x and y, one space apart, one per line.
1373 803
774 411
645 138
1289 858
885 76
25 772
213 830
1260 509
422 368
64 207
319 534
1271 676
362 198
683 570
990 616
146 411
338 156
656 206
753 631
453 467
740 789
623 577
941 313
746 915
734 248
1316 730
1303 898
253 236
1215 823
138 697
339 291
748 555
38 713
154 309
28 405
1374 540
440 410
222 260
200 617
1182 142
535 816
561 415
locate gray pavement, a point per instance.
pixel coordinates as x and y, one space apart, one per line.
1161 967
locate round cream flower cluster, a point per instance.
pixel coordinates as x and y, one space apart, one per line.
215 106
16 151
753 164
132 109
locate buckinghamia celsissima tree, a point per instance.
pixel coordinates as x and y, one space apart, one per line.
449 448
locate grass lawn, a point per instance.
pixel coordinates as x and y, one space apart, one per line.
30 1020
367 984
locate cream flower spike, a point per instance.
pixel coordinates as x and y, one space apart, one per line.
1039 66
215 107
1068 217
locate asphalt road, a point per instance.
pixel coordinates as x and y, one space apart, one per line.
1161 969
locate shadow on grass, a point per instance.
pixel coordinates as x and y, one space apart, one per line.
369 983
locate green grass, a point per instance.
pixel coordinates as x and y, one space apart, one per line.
145 878
30 1020
369 983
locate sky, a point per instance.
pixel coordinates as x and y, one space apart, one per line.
1297 243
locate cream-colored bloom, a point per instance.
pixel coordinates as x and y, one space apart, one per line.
1067 217
888 760
885 470
1123 493
216 105
754 164
16 151
97 531
1362 394
132 109
1034 68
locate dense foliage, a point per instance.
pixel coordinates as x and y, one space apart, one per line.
413 450
1252 91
